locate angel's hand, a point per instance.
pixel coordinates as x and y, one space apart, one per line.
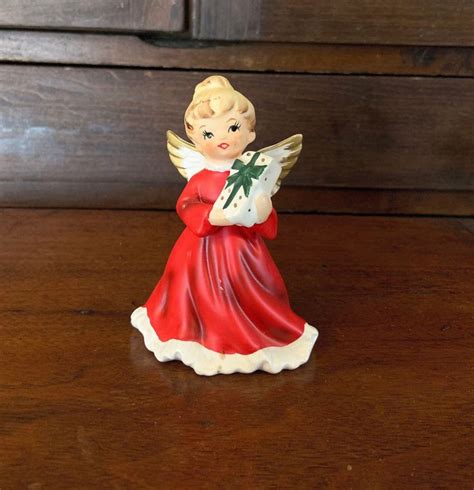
264 207
217 217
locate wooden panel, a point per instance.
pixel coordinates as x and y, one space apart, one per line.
292 198
375 201
148 51
123 15
103 126
224 19
468 224
432 22
384 402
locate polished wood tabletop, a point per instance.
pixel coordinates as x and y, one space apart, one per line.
385 401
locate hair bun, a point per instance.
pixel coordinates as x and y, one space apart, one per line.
212 82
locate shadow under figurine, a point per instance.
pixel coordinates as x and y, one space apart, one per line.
221 305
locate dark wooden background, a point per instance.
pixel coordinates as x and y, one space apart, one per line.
382 92
375 243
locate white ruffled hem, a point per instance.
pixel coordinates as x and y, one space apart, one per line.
207 362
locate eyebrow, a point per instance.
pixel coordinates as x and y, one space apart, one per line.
231 119
203 126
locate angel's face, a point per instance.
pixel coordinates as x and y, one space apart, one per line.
222 138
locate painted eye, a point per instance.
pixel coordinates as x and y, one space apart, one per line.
207 135
235 127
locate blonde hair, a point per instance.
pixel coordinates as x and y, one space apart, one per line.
215 96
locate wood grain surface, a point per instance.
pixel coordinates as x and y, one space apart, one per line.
384 402
113 15
107 126
156 52
292 198
432 22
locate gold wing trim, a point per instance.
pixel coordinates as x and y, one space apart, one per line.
183 155
286 152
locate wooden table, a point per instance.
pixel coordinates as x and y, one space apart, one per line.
386 400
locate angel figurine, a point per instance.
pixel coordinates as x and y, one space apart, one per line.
221 305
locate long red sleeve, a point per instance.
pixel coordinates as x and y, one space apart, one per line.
193 210
196 201
268 229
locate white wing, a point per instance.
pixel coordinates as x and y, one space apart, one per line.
286 153
184 155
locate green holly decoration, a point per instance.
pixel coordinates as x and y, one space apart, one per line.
243 177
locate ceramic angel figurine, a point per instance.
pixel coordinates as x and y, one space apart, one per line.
221 305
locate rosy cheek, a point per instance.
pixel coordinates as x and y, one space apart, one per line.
237 138
208 146
242 139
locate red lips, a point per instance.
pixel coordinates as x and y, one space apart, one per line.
223 146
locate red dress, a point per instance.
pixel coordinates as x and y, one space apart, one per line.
222 291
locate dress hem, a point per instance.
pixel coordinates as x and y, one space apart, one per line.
207 362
